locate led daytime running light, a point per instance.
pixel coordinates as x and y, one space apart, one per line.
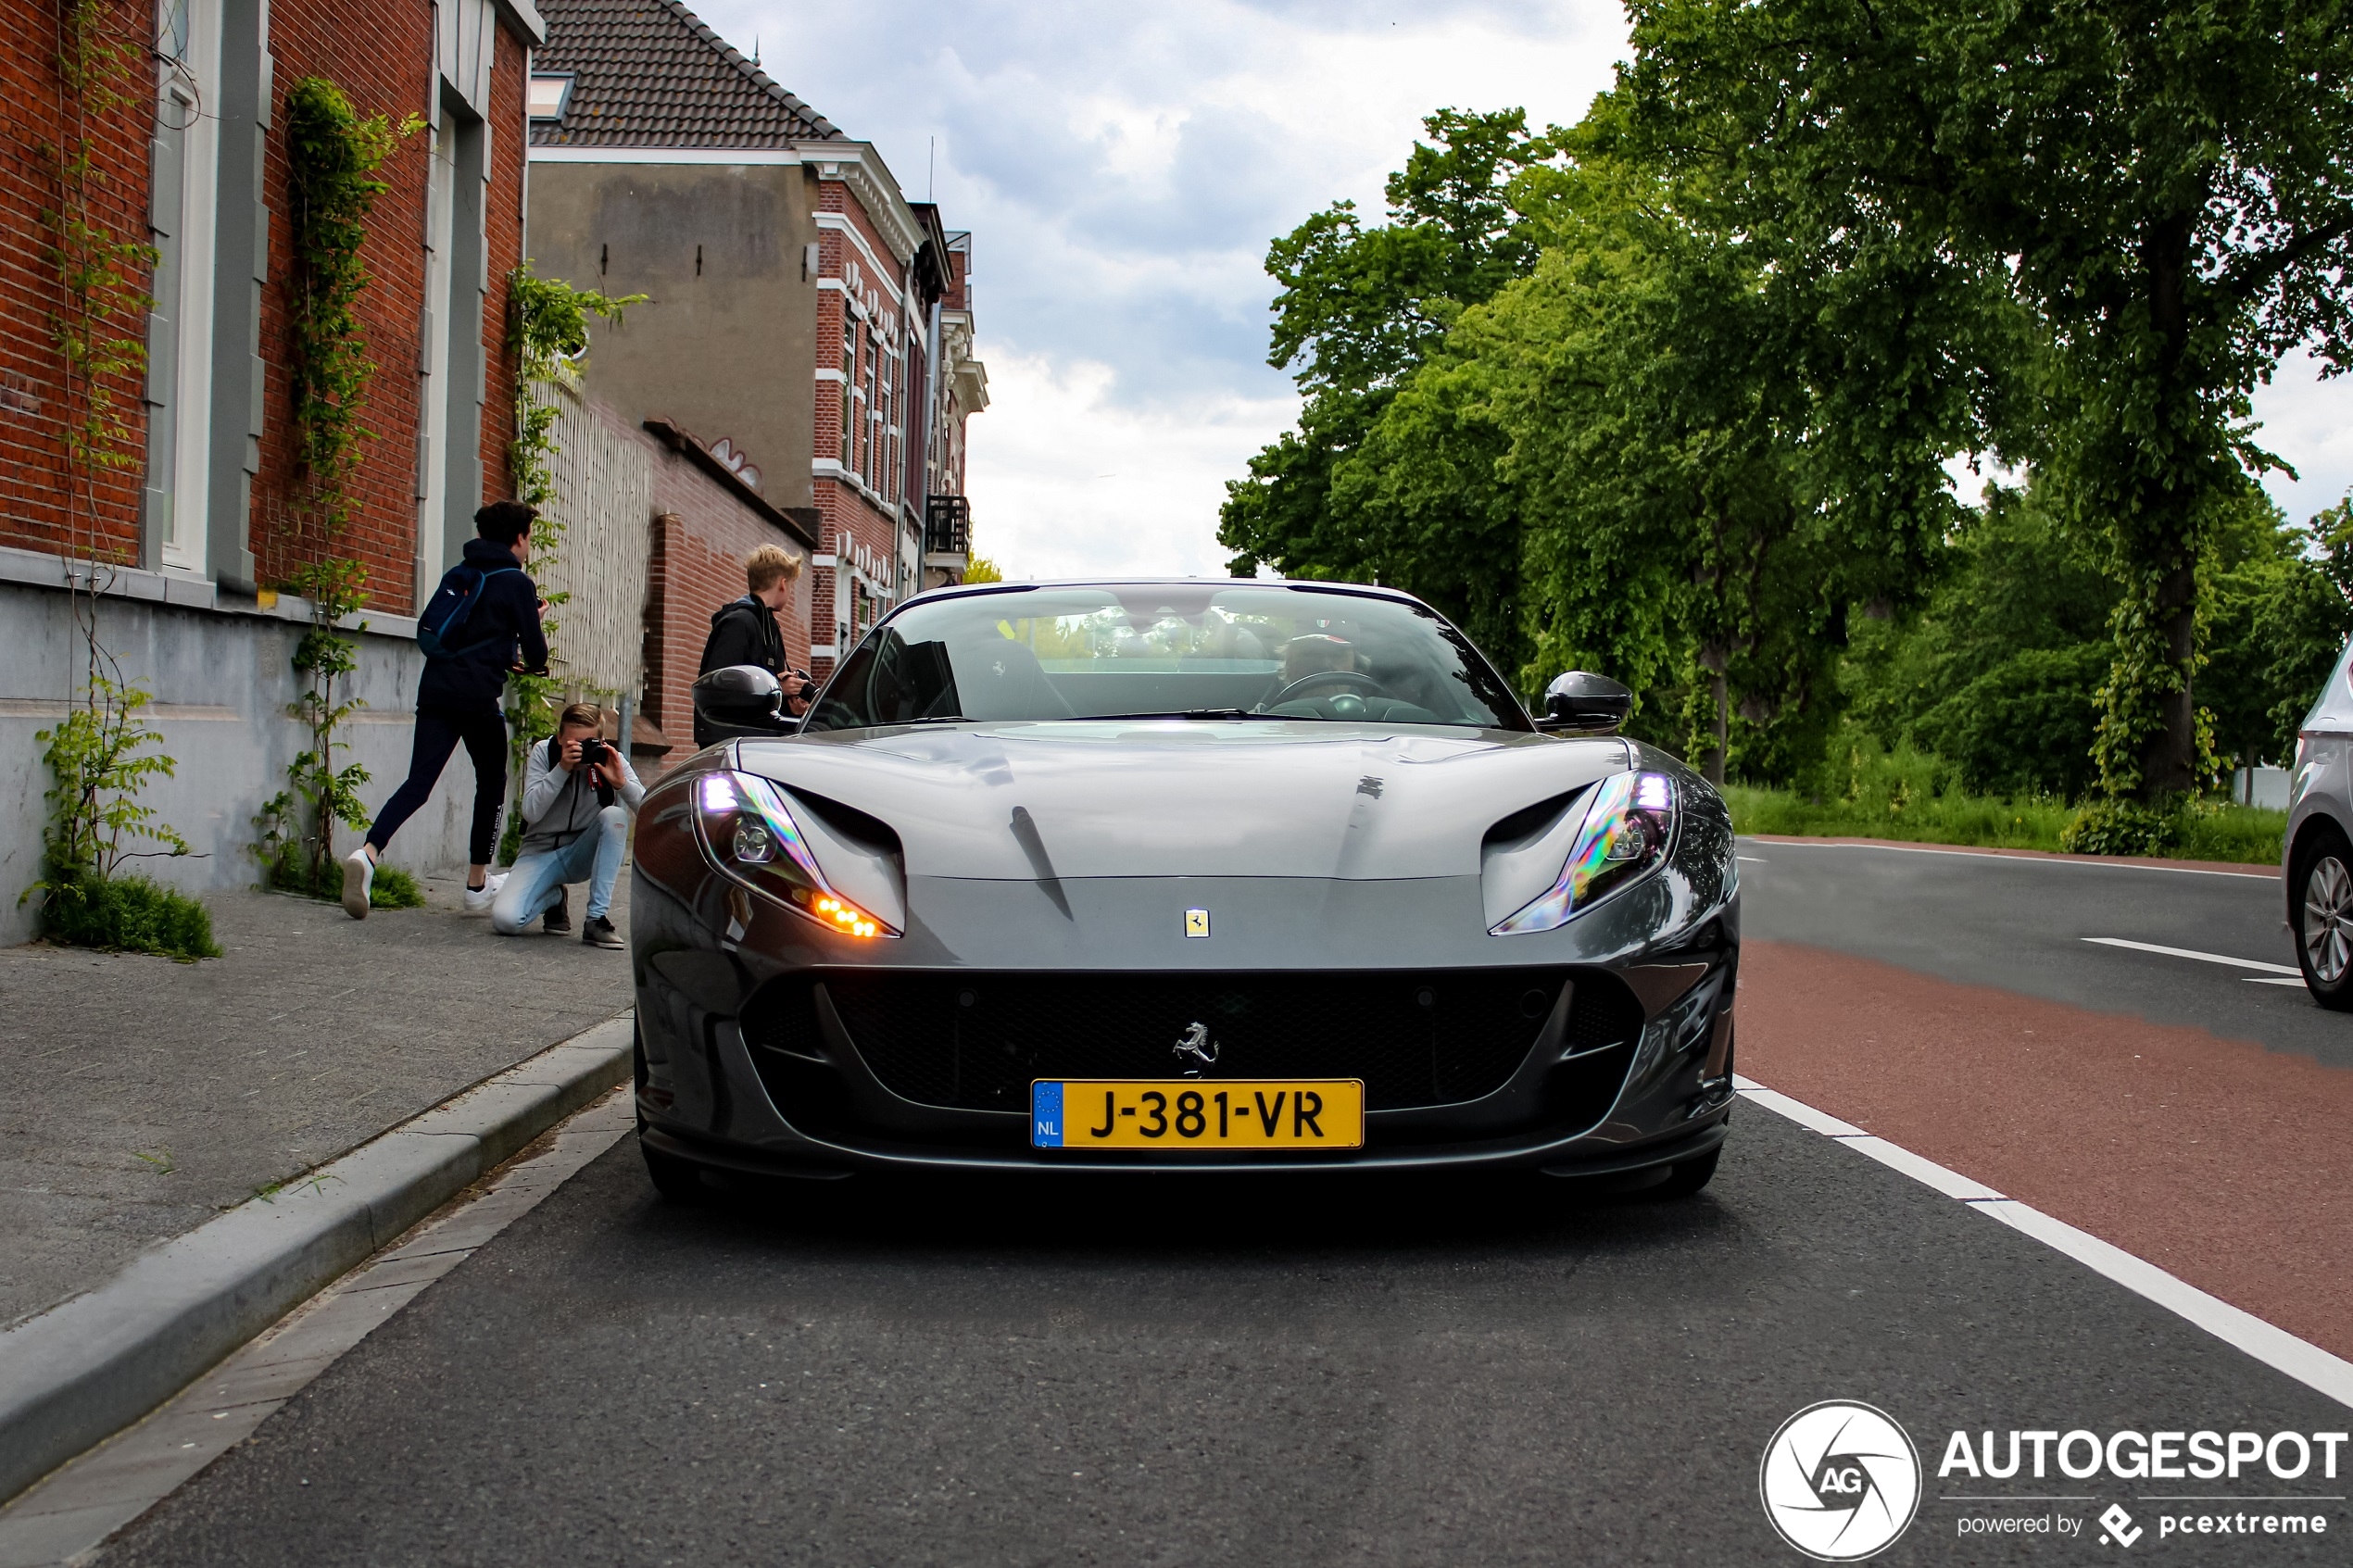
749 795
1629 823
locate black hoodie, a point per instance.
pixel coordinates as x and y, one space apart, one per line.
744 632
503 624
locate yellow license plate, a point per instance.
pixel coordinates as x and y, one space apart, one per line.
1197 1113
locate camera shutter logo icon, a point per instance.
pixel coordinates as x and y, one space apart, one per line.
1840 1481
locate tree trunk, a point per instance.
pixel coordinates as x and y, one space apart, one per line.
1713 656
2168 759
2169 765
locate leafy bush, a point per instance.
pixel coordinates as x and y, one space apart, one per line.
2122 827
125 914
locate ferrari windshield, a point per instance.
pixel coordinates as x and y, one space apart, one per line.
1214 650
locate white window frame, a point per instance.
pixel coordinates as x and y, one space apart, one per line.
188 89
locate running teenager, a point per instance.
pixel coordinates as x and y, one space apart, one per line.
482 620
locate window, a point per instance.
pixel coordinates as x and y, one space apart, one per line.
181 221
883 406
874 356
848 380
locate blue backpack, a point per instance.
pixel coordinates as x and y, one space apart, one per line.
445 613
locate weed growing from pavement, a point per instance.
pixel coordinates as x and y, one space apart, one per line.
159 1160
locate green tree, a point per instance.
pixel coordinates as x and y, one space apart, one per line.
1360 309
2162 188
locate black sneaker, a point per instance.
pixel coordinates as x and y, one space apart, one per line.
559 921
598 932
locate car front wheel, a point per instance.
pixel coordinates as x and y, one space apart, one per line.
2324 922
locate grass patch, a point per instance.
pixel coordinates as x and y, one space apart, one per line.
1915 796
393 888
127 914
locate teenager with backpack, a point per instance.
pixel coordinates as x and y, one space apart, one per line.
481 622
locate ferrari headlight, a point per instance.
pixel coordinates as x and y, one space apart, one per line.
1629 826
748 833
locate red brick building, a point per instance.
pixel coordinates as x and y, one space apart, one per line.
194 508
803 317
208 494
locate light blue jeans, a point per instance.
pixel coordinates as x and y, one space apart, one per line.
539 875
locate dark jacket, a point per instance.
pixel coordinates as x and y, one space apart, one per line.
503 624
742 632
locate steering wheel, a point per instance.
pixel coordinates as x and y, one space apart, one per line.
1362 682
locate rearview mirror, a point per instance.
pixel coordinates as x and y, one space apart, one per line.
741 701
1583 703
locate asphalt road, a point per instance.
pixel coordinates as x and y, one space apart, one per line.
2019 925
1177 1373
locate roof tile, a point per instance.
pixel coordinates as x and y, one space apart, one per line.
649 73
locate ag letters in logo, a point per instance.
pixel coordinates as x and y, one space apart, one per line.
1840 1481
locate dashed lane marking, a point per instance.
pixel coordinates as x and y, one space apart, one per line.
2202 957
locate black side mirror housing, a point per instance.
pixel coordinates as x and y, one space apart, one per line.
1583 703
740 702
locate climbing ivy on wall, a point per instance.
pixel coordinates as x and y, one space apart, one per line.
103 753
333 154
547 334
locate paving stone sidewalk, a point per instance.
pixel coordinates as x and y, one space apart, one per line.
146 1096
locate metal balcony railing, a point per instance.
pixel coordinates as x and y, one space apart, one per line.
948 526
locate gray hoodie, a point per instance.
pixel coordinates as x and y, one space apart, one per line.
557 807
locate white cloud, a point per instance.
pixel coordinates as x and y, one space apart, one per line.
1066 482
2309 422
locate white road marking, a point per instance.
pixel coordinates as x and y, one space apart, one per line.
2270 980
2031 857
2202 957
2275 1347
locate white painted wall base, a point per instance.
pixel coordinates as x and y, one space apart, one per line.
222 681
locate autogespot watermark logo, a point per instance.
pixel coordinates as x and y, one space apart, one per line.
1840 1481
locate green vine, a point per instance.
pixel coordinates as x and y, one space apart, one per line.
548 334
103 753
332 154
297 824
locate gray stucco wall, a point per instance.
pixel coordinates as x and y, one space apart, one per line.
729 351
221 682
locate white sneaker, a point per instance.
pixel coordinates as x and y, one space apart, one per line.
359 880
479 899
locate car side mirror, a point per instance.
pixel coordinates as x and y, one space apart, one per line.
742 701
1583 703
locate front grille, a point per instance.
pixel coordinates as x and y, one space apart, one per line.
974 1041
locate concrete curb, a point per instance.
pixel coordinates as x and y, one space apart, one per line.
86 1369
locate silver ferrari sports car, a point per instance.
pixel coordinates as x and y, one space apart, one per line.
1192 876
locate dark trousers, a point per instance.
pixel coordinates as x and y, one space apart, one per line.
438 732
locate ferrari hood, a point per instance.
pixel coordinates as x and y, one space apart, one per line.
1107 799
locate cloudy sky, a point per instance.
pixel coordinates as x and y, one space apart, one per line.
1122 169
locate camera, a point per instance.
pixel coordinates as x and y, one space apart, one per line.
592 751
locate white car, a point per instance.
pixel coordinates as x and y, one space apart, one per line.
2316 858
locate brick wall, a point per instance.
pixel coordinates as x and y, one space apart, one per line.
36 116
845 505
381 54
701 535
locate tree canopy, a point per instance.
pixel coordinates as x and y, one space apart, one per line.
1678 392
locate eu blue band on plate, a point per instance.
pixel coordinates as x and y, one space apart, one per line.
1045 1115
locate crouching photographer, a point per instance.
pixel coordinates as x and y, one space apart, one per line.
578 795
